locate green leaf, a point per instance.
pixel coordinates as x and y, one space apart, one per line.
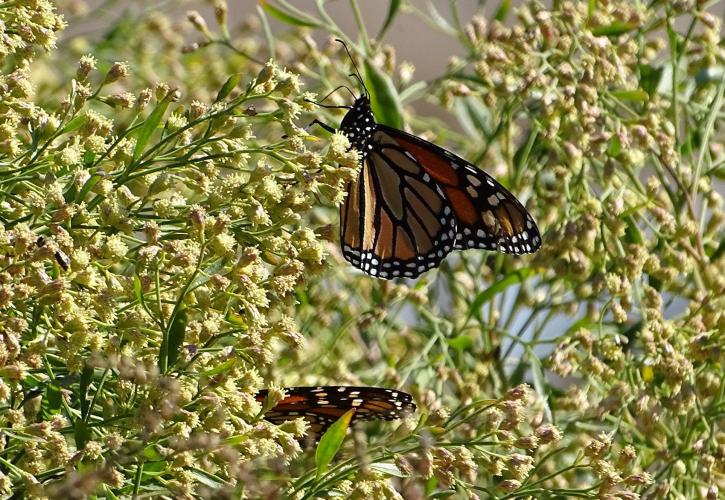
90 183
225 366
591 7
271 45
388 469
539 380
638 95
286 17
489 293
503 9
177 334
228 86
412 91
155 469
615 29
52 400
151 453
632 232
74 124
649 78
461 342
108 493
86 377
440 21
331 441
149 126
81 433
475 118
392 11
615 146
384 97
208 479
137 290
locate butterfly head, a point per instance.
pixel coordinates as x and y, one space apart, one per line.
358 125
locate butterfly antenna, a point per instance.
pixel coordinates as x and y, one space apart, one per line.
357 71
319 103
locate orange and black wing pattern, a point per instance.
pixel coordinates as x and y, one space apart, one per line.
396 220
487 215
321 406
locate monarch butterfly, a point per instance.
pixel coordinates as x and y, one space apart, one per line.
321 406
414 202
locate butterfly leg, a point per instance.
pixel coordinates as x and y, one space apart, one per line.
323 125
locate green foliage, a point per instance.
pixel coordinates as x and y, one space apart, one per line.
187 257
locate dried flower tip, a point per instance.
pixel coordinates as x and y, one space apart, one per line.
197 215
520 392
198 22
548 433
144 97
85 66
118 71
124 100
220 12
530 442
509 485
639 479
190 48
274 396
266 73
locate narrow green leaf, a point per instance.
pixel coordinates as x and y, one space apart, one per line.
331 441
208 479
271 46
461 342
591 7
631 95
74 124
108 493
503 9
615 146
225 366
90 183
412 91
440 21
177 334
632 232
137 290
286 17
81 433
489 293
86 377
649 78
615 29
384 97
539 379
228 86
151 453
388 469
392 11
474 117
149 126
52 400
155 469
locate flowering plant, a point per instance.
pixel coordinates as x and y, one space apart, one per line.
167 250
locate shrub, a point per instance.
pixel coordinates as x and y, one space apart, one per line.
167 250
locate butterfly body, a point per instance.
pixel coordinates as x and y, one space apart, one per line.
321 406
414 202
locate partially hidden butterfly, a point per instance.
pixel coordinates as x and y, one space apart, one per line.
414 202
321 406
